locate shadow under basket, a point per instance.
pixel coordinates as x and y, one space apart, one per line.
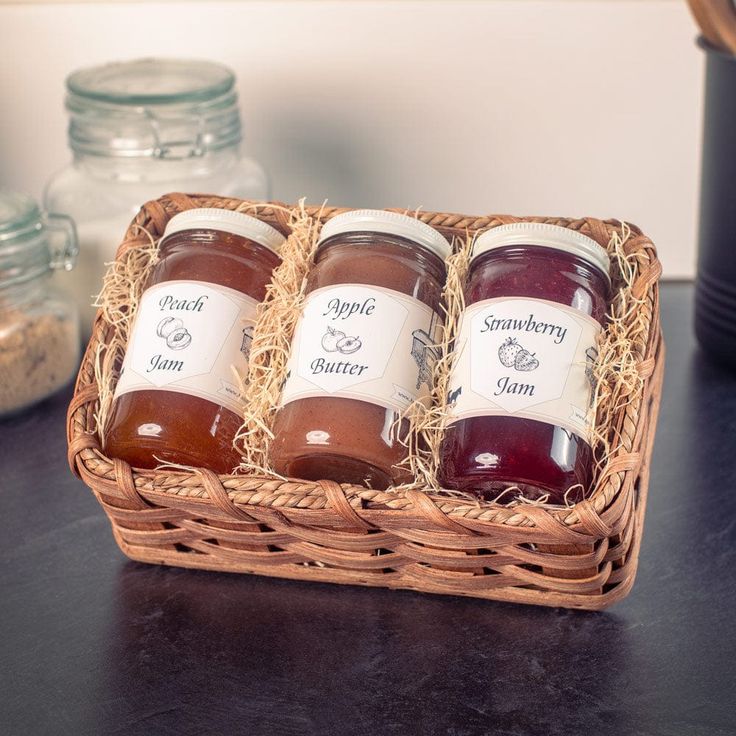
583 556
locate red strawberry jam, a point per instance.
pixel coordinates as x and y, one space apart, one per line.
520 392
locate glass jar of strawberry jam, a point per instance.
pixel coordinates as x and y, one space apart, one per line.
363 349
521 387
178 397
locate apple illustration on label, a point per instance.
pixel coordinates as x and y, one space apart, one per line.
330 340
349 345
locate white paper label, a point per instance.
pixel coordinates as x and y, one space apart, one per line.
529 358
190 337
363 342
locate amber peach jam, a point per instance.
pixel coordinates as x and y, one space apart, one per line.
520 391
363 349
178 397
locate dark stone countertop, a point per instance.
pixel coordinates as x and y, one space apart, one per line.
91 643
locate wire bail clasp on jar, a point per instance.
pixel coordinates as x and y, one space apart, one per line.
63 241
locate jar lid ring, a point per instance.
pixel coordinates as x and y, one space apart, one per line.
543 235
228 221
390 223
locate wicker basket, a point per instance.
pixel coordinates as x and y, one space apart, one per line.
584 556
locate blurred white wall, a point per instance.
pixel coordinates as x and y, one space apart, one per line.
523 106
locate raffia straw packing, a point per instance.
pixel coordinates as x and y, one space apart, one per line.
118 300
275 322
428 424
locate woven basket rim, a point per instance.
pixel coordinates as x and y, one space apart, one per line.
599 516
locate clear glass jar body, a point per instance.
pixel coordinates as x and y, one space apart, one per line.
39 342
103 194
147 427
360 442
537 457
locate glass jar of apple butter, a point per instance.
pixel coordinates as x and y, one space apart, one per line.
363 349
178 398
521 388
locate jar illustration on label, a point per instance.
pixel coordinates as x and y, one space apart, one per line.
178 398
426 352
521 388
363 350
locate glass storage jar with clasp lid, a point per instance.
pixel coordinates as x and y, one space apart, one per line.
139 129
39 325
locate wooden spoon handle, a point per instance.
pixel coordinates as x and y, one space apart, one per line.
701 11
723 15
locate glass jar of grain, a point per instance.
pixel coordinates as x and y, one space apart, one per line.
39 325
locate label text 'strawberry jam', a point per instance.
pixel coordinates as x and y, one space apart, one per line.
521 386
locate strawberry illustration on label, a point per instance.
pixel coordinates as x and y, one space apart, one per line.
525 361
330 340
508 351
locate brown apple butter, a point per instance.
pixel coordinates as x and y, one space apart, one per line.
363 349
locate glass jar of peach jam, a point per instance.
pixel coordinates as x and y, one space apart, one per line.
363 349
178 398
521 386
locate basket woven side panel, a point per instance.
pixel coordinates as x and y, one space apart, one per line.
584 556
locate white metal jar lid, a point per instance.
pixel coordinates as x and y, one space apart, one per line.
546 236
392 223
228 221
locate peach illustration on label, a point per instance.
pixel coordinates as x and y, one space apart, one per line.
168 325
173 331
